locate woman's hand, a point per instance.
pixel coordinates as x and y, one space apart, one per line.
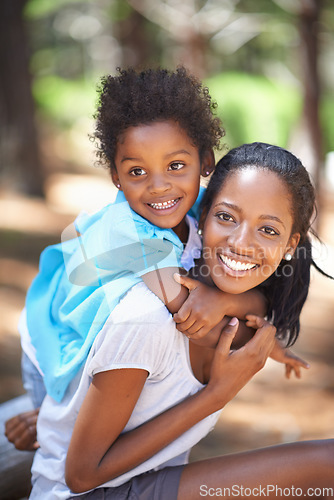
231 370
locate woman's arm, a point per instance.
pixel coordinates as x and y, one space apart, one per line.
98 453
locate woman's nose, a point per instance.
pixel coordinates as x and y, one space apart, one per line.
241 240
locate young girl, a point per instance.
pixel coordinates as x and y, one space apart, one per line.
146 394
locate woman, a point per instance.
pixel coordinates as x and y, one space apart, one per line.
146 394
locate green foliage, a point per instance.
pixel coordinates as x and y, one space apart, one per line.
36 9
64 101
326 117
254 108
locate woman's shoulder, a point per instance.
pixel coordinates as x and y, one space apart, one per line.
139 333
139 302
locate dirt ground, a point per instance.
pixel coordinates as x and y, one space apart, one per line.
269 410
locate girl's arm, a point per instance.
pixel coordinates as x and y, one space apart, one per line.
99 453
198 307
207 305
162 283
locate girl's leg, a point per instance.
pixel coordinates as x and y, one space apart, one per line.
303 469
32 381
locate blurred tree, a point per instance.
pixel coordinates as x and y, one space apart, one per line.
309 16
20 165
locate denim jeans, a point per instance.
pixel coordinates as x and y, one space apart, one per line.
32 381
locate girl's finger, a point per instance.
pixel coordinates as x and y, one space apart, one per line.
183 314
189 283
187 325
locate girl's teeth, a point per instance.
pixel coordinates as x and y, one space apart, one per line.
163 205
236 265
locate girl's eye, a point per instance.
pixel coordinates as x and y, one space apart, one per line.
176 165
137 171
224 216
269 230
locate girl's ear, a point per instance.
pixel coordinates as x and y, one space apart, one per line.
115 179
208 163
292 244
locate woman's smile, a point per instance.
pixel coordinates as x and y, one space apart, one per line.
236 265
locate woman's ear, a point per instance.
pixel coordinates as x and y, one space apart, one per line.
201 221
115 179
208 163
292 245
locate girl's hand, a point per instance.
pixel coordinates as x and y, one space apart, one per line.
292 362
202 310
21 430
231 370
283 355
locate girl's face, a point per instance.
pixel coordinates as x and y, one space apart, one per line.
247 231
158 169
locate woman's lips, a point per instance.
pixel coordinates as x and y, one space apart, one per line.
237 265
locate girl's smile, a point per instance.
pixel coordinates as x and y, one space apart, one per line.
248 230
158 169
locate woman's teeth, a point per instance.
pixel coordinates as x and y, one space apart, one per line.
164 205
236 265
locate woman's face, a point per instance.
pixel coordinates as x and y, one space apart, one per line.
247 231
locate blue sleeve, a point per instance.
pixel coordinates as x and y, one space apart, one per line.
120 243
195 210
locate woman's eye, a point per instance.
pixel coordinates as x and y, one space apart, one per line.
270 231
137 171
176 165
225 217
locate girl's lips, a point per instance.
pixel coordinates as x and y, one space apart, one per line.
164 205
236 265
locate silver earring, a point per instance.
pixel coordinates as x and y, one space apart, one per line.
288 256
118 186
199 231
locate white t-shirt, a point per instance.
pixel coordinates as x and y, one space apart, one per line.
140 333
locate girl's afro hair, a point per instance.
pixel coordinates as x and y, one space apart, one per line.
133 98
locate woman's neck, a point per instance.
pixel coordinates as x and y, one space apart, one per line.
197 273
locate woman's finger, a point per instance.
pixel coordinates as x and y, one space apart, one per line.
227 336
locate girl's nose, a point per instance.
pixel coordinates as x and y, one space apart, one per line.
159 184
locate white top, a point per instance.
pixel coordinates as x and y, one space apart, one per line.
140 333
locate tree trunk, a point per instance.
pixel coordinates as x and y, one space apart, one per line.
20 166
308 26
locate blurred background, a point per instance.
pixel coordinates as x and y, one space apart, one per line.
267 63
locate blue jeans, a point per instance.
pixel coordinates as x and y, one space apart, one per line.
32 381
